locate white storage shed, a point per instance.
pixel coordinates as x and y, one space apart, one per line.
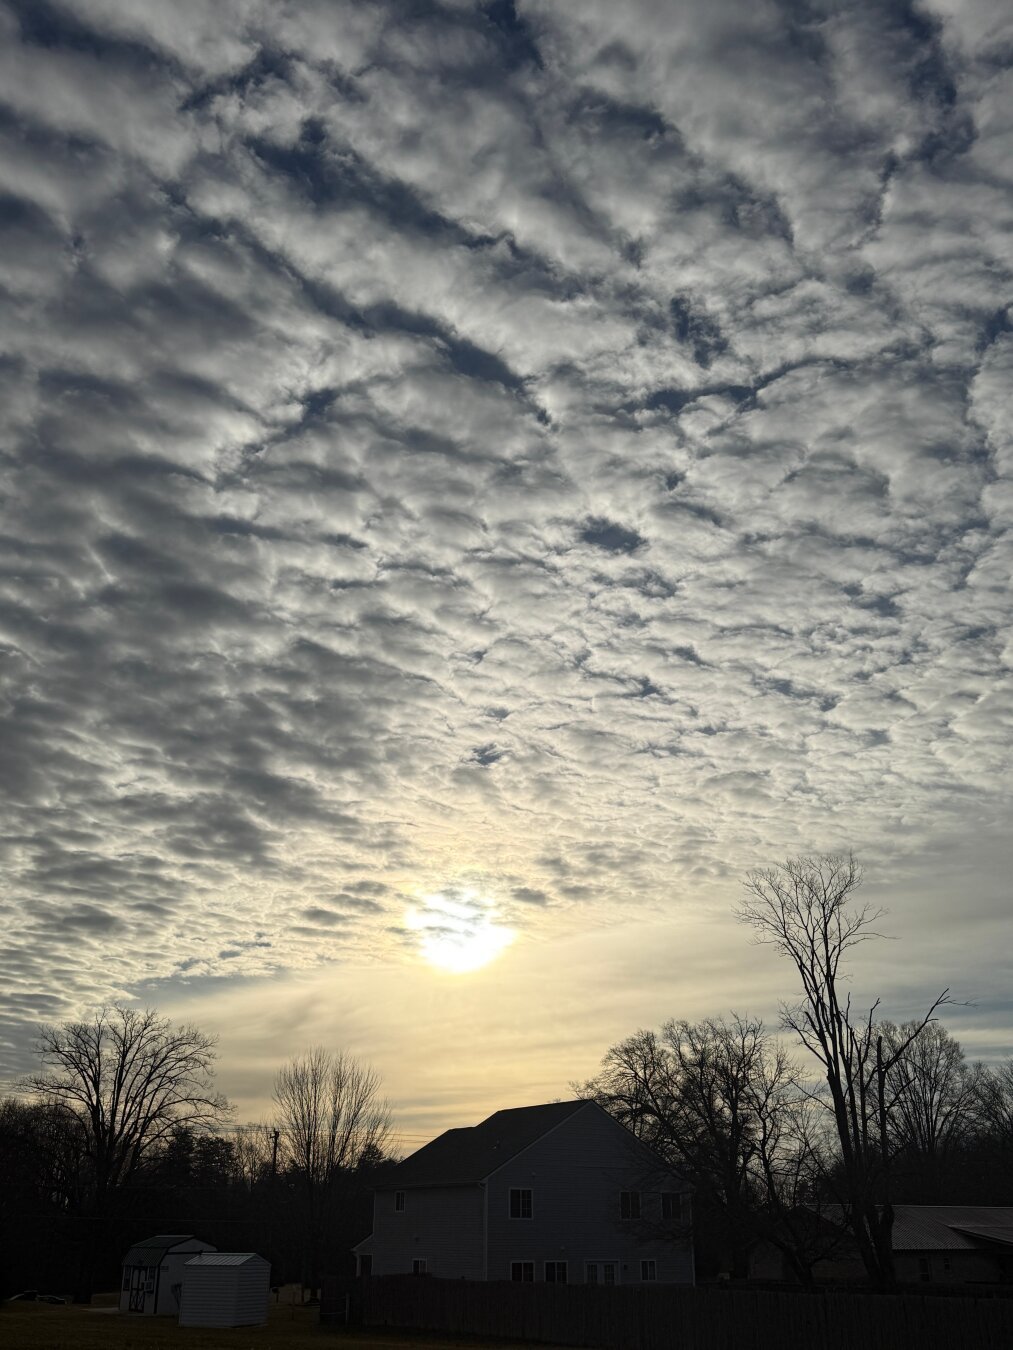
153 1272
225 1289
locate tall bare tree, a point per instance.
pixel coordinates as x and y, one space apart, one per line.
124 1081
721 1101
805 908
332 1120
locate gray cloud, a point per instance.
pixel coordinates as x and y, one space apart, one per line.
561 456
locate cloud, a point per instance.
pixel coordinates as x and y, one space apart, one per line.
555 455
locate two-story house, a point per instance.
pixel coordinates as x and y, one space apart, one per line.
560 1192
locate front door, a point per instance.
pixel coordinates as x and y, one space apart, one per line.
137 1278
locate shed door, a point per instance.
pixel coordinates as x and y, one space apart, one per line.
137 1278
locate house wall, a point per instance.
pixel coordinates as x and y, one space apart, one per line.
766 1262
955 1267
442 1224
576 1173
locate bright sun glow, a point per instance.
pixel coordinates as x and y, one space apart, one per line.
457 933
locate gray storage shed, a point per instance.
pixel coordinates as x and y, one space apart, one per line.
153 1272
225 1289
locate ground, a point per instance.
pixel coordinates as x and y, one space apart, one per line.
39 1326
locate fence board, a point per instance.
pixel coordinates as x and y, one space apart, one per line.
659 1317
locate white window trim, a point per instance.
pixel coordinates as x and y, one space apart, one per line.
604 1261
523 1261
648 1261
399 1209
566 1268
520 1218
422 1261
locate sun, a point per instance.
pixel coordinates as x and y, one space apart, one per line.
457 933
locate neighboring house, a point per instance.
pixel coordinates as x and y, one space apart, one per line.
561 1193
938 1243
153 1272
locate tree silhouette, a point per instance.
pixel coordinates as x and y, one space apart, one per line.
805 908
124 1082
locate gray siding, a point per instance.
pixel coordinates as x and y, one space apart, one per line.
576 1173
443 1224
225 1296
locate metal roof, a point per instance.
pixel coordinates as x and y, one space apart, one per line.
952 1228
225 1258
467 1156
151 1250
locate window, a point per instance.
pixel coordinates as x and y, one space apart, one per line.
522 1271
629 1204
399 1202
555 1272
520 1204
674 1206
126 1277
648 1270
602 1272
923 1268
419 1265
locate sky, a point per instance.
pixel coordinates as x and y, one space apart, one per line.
476 479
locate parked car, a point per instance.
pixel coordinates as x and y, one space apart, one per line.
33 1296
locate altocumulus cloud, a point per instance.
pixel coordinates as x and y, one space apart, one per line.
555 450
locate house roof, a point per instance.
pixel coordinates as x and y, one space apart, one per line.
151 1250
923 1228
467 1156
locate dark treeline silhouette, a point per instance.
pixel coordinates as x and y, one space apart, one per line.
121 1135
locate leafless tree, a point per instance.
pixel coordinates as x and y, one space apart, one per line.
125 1080
332 1119
805 908
995 1102
720 1101
936 1096
253 1150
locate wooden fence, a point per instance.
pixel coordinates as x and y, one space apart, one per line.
666 1317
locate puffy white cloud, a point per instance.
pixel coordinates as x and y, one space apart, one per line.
556 455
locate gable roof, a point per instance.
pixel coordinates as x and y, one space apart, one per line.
467 1156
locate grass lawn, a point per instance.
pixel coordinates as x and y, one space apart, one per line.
40 1326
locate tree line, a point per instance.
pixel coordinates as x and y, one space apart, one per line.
121 1133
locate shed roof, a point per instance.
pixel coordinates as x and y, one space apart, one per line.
225 1258
151 1250
467 1156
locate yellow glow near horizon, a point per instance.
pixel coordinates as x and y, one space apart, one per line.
458 935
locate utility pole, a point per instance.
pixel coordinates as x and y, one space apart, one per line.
273 1200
